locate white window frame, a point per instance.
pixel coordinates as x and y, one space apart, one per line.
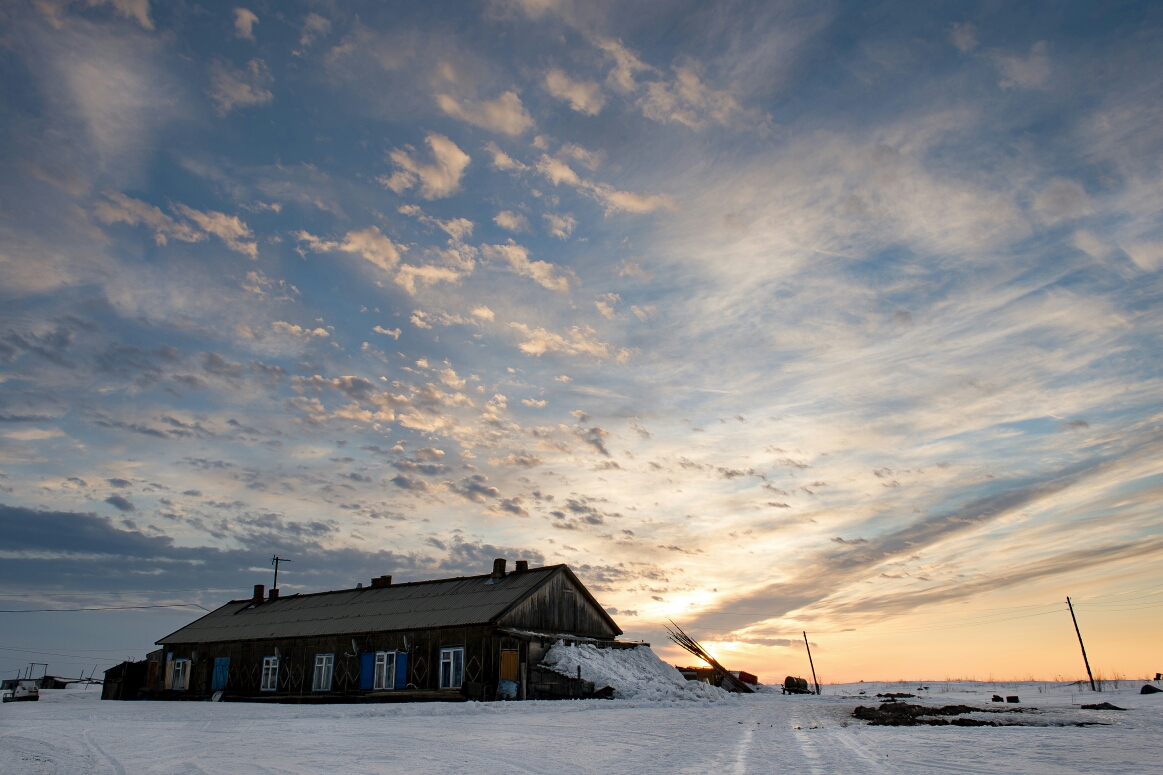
181 679
385 672
324 670
270 674
452 667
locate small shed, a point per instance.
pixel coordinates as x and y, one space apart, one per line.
471 637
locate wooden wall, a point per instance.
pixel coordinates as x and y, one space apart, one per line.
482 647
559 606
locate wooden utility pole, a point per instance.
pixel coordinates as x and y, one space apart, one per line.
1085 661
810 662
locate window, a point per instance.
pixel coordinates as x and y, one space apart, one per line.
181 674
270 674
451 668
385 670
323 667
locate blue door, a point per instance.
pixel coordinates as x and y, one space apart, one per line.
367 670
221 673
401 669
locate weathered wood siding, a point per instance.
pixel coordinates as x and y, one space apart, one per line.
481 645
559 606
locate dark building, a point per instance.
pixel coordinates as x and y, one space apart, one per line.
474 637
126 681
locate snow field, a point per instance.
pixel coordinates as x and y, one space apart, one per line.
72 731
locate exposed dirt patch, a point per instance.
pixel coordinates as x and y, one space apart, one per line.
902 714
1102 706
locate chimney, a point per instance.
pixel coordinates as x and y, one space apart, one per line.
274 594
522 566
381 581
499 568
258 593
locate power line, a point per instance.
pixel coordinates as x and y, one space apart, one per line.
102 608
54 654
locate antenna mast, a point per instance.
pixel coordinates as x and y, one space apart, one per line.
275 560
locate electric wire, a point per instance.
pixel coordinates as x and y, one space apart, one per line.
100 608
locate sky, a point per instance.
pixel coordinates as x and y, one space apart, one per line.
767 318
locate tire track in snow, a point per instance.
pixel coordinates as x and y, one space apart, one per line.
741 749
112 762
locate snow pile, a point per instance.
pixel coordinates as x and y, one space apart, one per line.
634 674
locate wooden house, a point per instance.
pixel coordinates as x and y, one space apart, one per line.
474 637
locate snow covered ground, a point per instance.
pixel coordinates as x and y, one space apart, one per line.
72 731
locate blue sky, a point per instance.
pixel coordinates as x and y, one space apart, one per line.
762 316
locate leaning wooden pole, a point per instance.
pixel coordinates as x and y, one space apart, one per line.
1078 632
810 662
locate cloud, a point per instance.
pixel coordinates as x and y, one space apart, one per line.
579 340
118 208
626 65
120 503
543 273
283 327
229 228
409 276
631 269
231 88
687 100
369 243
474 488
591 160
484 313
1063 199
557 172
438 180
560 226
644 313
314 26
503 161
583 96
456 228
373 246
534 9
508 506
534 403
394 332
505 114
1030 73
964 36
606 303
244 21
138 10
511 221
516 460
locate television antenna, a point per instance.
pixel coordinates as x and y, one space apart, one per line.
275 560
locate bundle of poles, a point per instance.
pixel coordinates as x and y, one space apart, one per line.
726 680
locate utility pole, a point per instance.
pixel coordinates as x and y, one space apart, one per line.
275 560
810 662
1085 661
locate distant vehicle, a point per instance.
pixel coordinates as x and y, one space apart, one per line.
24 691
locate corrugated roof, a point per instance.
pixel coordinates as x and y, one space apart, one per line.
459 602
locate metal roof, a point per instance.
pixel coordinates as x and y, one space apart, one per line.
458 602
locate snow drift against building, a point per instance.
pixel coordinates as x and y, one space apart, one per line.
635 674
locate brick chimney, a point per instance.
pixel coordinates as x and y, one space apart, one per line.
381 581
499 568
258 593
522 566
274 594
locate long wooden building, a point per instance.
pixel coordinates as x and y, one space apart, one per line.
474 637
